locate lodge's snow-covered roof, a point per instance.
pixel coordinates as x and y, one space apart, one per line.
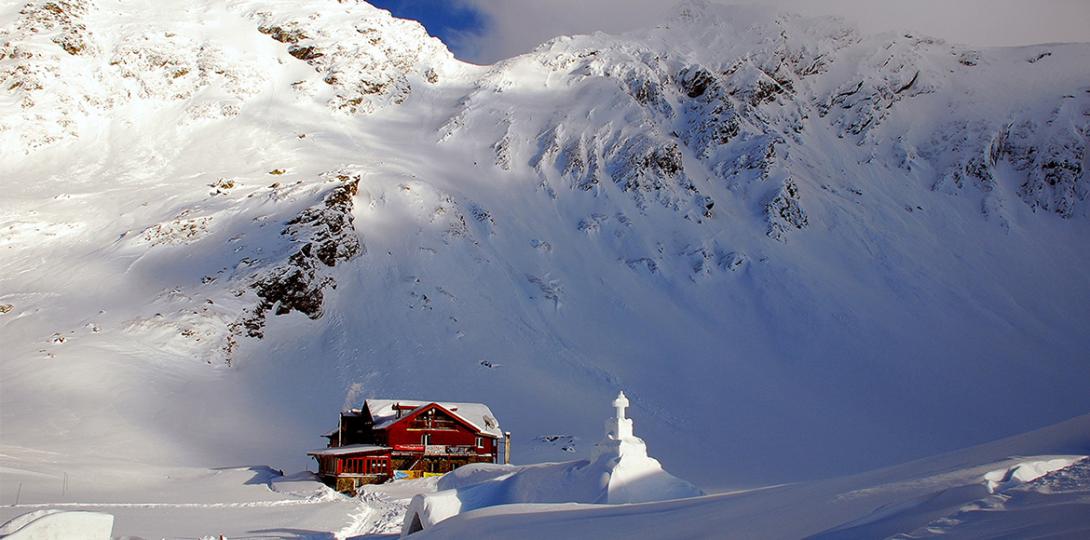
476 414
346 450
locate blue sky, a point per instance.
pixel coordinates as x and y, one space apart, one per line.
449 20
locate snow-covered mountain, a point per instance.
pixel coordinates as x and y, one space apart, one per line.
801 250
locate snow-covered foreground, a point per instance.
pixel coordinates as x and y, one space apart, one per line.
1036 484
177 502
619 471
1043 492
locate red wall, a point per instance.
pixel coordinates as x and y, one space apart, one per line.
401 434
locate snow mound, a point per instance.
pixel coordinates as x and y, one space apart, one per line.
619 472
1001 480
629 474
57 525
940 496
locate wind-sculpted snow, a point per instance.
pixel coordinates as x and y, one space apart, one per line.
901 69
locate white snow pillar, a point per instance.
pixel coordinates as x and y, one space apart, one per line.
620 427
621 403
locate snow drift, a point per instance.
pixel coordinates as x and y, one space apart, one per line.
946 496
619 472
59 525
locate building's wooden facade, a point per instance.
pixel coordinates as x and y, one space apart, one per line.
386 439
345 468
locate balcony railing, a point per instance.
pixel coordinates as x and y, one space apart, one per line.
448 450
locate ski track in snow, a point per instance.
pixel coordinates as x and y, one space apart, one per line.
377 514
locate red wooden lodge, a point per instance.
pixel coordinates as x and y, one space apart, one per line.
389 438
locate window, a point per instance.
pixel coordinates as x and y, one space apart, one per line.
377 465
365 465
480 442
426 439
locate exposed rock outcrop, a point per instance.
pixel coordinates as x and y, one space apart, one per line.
326 236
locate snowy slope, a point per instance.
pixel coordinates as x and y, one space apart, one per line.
803 251
1031 484
179 502
1047 480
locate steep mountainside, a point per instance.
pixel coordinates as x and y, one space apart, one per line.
801 250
